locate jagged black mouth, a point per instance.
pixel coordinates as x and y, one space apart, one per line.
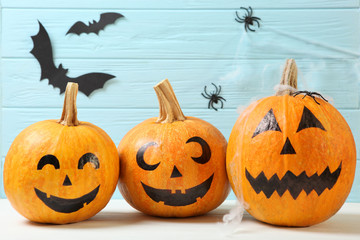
294 184
179 199
64 205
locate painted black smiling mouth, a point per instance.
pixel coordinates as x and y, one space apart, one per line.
294 184
179 199
64 205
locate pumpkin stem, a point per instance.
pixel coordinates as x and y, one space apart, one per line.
289 78
69 114
170 110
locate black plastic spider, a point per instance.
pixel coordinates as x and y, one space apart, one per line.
248 19
310 94
214 97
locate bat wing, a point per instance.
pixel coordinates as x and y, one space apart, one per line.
78 28
57 76
91 81
107 19
95 27
42 51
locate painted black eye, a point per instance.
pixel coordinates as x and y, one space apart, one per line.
48 159
206 153
91 158
140 157
309 120
268 123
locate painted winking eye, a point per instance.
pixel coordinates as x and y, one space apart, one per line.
140 157
206 153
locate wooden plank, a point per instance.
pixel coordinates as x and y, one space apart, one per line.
241 81
181 34
1 102
180 4
2 192
352 117
355 191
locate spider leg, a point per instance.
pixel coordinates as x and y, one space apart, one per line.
206 92
250 29
251 12
257 23
239 21
212 105
216 88
221 98
318 94
242 19
246 26
297 93
222 104
247 10
209 104
219 90
315 100
256 18
205 96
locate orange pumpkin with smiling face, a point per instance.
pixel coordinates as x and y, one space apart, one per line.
173 166
61 171
291 158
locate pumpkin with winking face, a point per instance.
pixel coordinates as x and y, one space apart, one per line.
173 166
291 157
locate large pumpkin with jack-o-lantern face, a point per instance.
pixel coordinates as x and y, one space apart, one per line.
291 158
173 166
61 171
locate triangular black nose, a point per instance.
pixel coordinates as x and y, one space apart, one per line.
175 173
287 148
67 181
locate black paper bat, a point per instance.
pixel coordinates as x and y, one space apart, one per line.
42 51
95 27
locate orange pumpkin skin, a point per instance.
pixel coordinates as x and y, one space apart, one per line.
316 149
173 153
68 144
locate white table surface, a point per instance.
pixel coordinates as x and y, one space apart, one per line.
119 221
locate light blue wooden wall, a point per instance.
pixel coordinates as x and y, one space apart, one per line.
191 42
